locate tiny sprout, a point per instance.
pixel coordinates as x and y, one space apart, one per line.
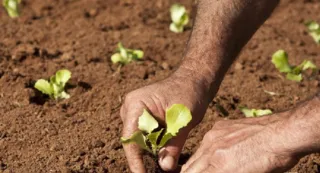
314 30
179 17
55 88
177 117
255 112
294 73
125 56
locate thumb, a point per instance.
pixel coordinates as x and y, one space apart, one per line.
170 153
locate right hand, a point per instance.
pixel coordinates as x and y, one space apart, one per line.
156 98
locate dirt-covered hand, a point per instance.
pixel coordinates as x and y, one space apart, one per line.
156 98
244 146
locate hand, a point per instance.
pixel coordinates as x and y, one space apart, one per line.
249 145
156 98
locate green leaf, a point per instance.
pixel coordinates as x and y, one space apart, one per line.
165 139
314 30
64 95
294 77
138 54
175 28
62 77
308 65
177 11
179 18
280 60
255 112
12 7
153 137
137 138
125 56
177 117
116 58
147 123
44 86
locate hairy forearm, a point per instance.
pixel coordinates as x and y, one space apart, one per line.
221 29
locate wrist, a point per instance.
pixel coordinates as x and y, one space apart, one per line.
201 79
298 132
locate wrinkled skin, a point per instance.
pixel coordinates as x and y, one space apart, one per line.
231 146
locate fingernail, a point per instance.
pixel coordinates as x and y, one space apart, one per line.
167 163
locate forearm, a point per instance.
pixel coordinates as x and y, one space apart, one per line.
220 31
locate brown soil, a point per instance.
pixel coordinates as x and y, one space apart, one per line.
81 134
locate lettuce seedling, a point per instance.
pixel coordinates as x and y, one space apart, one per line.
55 87
179 17
294 73
177 117
314 30
12 7
255 112
125 56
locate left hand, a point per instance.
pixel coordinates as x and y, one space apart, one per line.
249 145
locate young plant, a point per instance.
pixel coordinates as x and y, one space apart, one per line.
314 30
294 73
12 7
125 56
177 116
255 112
179 17
55 87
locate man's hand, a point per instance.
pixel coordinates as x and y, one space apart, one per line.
156 98
245 146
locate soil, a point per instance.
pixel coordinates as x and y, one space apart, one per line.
81 134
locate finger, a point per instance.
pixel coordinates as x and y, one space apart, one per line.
201 150
134 157
198 166
169 155
132 151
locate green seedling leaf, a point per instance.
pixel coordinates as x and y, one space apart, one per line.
153 137
12 7
62 77
176 28
255 112
125 56
165 139
179 17
294 77
55 87
147 123
280 60
44 86
308 65
294 73
137 138
314 30
116 58
177 117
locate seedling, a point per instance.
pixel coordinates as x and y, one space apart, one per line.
12 7
177 116
255 112
314 30
55 87
179 17
294 73
125 56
